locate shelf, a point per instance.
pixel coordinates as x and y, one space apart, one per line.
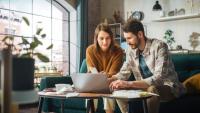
115 24
184 51
179 17
117 32
41 74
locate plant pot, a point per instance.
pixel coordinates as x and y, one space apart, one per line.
23 74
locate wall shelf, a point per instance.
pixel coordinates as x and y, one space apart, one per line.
117 32
179 17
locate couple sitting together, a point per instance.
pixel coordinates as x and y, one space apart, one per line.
148 60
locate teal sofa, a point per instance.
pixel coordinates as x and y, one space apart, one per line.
186 66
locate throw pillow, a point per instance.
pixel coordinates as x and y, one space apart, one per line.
193 84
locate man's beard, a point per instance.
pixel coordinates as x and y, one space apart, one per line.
133 46
136 45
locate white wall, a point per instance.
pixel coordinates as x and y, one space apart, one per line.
182 28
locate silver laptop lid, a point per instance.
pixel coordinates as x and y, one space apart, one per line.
90 83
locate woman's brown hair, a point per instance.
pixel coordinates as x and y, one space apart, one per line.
106 28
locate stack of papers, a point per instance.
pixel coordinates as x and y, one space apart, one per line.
131 93
64 90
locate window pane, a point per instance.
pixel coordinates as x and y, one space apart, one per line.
44 23
59 12
21 5
62 67
59 51
65 31
42 7
52 18
57 29
4 4
4 21
60 30
60 54
22 29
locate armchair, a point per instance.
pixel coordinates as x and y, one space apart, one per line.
71 105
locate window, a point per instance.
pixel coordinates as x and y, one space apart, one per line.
55 17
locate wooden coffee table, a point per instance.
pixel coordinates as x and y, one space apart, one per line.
62 97
89 96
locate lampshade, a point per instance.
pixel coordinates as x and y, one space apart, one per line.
157 6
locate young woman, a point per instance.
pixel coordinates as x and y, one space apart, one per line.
104 56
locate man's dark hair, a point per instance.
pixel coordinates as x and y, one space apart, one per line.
133 26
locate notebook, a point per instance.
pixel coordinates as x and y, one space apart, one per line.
90 82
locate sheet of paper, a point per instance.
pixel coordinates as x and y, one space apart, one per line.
131 93
93 70
74 94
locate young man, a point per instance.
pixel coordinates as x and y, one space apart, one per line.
150 62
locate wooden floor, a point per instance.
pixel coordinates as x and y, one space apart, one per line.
30 108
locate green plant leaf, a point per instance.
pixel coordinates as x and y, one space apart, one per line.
50 46
26 20
36 40
42 57
26 55
43 35
24 41
39 30
28 46
33 45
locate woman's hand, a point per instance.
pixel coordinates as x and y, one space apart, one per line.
122 84
103 72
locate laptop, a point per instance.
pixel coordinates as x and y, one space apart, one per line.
90 82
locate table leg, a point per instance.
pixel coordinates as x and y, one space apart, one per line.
62 106
145 108
90 106
129 107
41 99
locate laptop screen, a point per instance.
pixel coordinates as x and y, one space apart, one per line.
90 83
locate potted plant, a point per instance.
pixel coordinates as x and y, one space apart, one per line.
169 38
28 47
194 40
23 60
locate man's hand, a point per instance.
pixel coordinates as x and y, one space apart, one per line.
111 79
119 84
122 84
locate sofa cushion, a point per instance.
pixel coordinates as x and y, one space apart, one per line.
185 104
194 62
186 65
193 84
83 68
180 61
